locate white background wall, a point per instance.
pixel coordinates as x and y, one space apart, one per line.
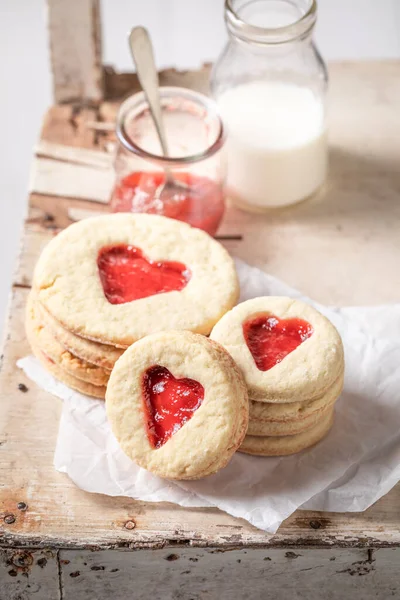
185 33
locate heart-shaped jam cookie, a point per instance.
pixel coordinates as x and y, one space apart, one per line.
270 339
126 274
169 403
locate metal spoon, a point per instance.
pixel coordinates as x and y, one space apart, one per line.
143 57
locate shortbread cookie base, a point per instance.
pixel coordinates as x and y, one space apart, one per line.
237 439
74 366
76 384
290 444
101 355
288 419
274 428
243 419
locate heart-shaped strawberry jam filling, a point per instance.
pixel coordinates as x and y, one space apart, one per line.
126 274
169 403
270 339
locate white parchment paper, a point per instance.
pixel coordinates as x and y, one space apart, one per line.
357 463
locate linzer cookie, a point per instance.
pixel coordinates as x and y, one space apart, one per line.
286 350
115 278
177 405
292 360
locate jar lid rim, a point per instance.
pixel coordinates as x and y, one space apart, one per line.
169 91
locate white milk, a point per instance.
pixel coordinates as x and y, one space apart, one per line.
276 146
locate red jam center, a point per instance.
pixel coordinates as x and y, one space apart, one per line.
126 274
169 403
270 339
202 205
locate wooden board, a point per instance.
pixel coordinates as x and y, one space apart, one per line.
75 49
194 574
62 515
340 248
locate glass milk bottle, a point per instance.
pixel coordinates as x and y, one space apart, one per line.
270 84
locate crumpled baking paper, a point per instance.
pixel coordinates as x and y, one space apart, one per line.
357 463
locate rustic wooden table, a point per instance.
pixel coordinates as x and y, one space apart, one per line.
340 248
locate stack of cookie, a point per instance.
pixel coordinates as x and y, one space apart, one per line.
292 360
80 363
177 402
106 282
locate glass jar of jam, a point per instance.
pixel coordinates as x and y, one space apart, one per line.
195 137
270 84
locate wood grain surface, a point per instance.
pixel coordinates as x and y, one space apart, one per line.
340 248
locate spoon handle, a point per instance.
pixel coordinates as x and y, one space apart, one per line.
143 57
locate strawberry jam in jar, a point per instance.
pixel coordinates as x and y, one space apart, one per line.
194 163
